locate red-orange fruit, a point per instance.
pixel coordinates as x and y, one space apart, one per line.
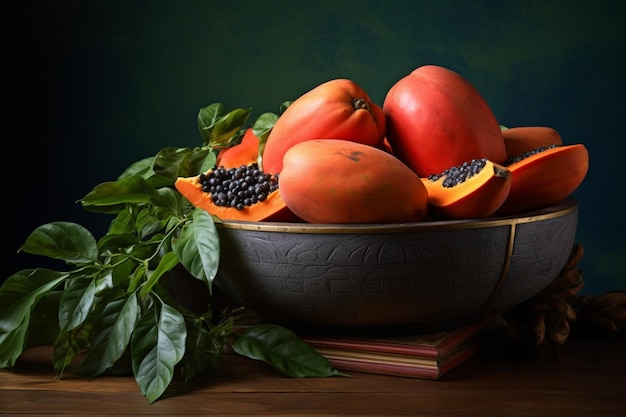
336 109
436 119
271 209
475 189
545 178
522 139
246 152
263 203
339 181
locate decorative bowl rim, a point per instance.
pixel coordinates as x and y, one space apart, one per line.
563 208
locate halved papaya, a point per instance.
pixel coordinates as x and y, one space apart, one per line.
521 139
270 207
246 152
545 177
475 189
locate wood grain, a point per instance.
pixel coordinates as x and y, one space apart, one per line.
586 379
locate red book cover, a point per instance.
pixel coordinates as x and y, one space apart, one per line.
379 363
430 345
428 356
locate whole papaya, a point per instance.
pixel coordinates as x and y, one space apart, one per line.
336 109
339 181
437 119
522 139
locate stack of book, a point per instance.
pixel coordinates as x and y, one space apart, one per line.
427 356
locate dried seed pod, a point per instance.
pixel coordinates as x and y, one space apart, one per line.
602 322
561 306
539 307
557 327
538 327
608 301
606 311
546 318
570 292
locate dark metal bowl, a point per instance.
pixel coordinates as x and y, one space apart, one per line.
429 274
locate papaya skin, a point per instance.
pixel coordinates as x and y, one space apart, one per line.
521 139
336 109
386 146
244 153
479 196
331 181
272 209
436 119
545 178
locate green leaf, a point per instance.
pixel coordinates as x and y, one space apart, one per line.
146 248
147 224
137 277
158 344
119 277
285 105
18 296
217 126
66 241
76 302
198 247
171 163
143 168
117 242
44 320
111 334
171 203
208 116
167 262
203 352
67 345
12 343
262 127
133 189
21 291
264 124
158 171
124 222
284 350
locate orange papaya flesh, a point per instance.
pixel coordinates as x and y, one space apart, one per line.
544 177
269 208
523 139
475 189
244 153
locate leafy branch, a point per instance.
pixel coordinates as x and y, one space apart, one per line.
115 301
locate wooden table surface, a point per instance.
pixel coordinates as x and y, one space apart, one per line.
588 379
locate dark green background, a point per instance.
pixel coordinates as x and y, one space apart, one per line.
96 85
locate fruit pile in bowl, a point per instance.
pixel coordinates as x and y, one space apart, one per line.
423 213
425 210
